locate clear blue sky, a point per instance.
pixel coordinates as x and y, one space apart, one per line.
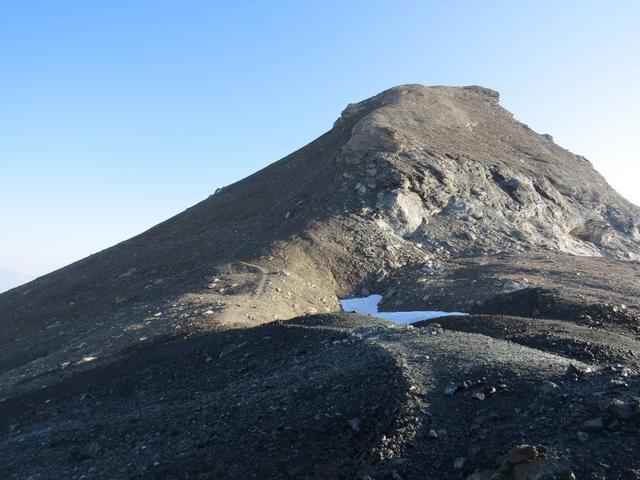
119 114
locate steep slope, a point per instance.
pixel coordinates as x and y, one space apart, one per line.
434 197
403 186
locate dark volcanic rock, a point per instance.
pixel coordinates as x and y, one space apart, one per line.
159 358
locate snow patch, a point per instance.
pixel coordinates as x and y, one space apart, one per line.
369 306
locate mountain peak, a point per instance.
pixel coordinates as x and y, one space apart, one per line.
407 181
404 116
402 96
426 198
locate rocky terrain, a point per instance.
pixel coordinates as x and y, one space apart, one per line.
213 346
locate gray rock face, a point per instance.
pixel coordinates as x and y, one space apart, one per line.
478 170
403 211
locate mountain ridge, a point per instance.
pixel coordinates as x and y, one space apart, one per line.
400 183
435 198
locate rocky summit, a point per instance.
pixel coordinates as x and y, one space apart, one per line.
214 346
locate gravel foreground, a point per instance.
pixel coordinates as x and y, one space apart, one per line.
343 396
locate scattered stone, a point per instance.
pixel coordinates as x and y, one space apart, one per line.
593 425
433 434
513 286
355 424
434 325
450 389
542 469
621 411
521 454
467 384
548 387
396 476
478 395
490 391
615 425
458 463
389 293
480 475
582 436
577 371
618 384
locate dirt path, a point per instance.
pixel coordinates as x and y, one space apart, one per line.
241 312
263 278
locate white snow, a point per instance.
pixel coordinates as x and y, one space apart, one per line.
369 306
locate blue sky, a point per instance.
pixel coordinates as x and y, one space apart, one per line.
119 114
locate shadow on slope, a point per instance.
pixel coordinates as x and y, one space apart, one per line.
276 401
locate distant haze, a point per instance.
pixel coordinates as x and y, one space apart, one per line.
9 279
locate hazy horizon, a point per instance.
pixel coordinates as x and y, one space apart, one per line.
10 279
119 116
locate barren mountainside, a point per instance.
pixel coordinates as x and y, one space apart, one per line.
227 316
